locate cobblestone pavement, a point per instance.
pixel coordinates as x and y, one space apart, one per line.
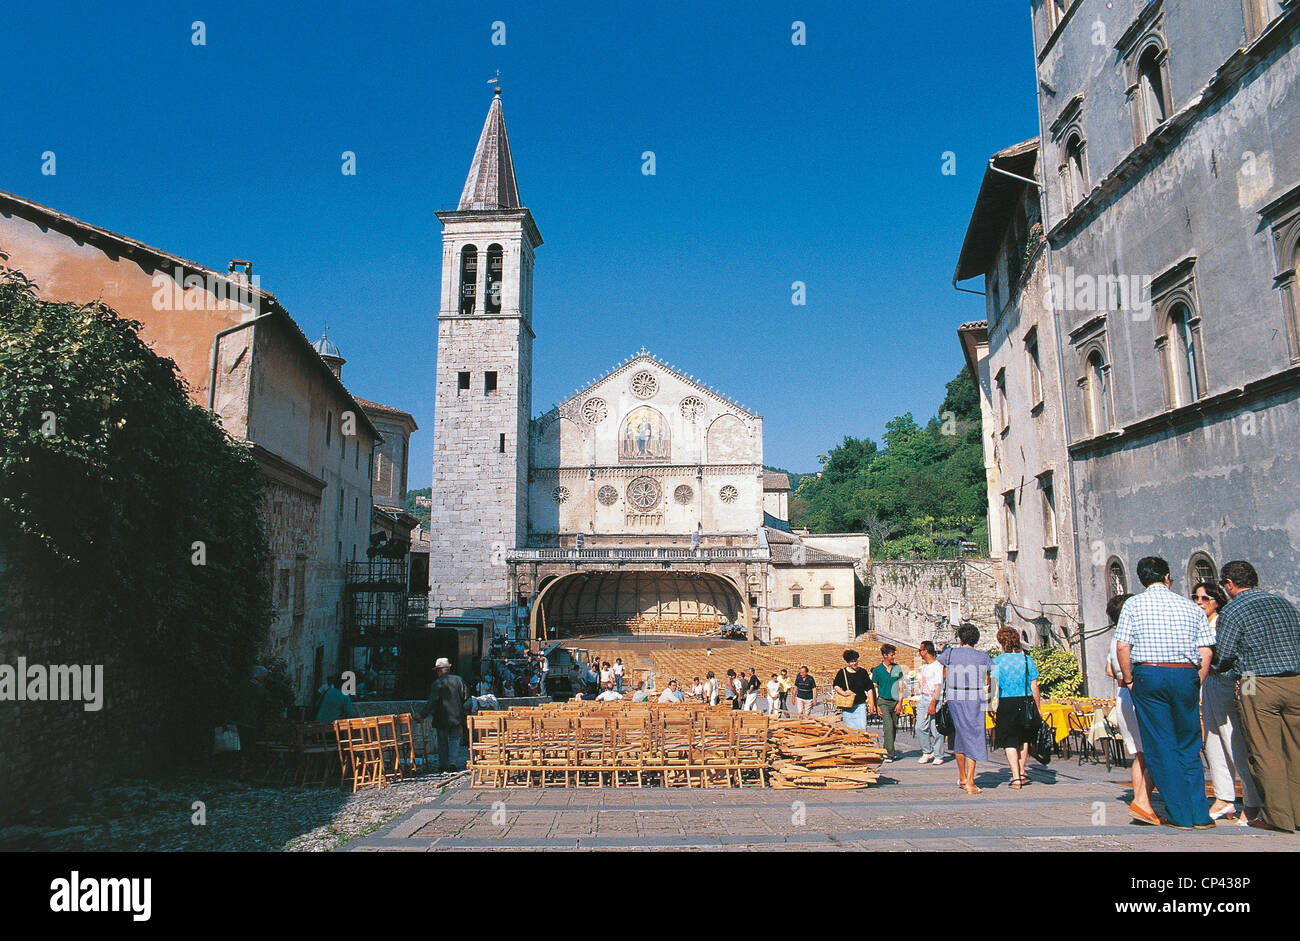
914 807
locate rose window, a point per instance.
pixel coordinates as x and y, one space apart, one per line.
560 494
594 411
728 494
607 495
644 385
692 408
643 493
683 494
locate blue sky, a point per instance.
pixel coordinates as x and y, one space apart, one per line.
775 163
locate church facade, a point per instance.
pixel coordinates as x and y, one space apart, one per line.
637 504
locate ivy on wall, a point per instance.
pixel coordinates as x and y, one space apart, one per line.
116 488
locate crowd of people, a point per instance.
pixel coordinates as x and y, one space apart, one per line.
1219 672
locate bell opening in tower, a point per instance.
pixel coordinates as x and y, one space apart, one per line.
468 278
492 303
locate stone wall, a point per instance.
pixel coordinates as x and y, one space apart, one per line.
914 601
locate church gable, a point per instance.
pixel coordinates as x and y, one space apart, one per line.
646 412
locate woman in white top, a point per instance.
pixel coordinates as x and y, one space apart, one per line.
711 688
1141 808
1225 745
773 696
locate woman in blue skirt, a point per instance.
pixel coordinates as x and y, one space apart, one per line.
966 688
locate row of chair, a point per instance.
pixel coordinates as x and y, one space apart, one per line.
373 749
627 748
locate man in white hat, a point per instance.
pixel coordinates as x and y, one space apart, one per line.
447 707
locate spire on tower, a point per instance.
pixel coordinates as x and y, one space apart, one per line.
491 181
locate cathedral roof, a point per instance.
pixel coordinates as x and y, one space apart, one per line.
491 181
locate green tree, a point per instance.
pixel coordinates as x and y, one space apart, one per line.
116 489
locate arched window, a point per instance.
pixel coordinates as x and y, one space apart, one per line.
492 300
1179 348
1096 397
1151 101
468 278
1116 580
1201 568
1076 181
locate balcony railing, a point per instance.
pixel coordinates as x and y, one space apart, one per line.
714 554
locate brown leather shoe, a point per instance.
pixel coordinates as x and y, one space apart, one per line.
1143 816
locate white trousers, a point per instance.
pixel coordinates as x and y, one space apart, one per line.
1225 744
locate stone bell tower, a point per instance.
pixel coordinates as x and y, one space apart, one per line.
483 395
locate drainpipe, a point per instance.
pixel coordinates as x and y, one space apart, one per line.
216 345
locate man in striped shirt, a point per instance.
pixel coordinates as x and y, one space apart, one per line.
1259 633
1164 644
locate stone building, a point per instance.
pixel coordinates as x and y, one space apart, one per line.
245 358
1171 208
635 504
1012 356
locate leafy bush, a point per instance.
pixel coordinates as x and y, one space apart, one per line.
110 476
1058 671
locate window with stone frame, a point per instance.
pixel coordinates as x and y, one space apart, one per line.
1047 494
1116 579
1178 340
1074 171
1009 519
1035 369
1149 94
795 600
492 289
1283 217
1201 568
1259 14
1004 411
1095 400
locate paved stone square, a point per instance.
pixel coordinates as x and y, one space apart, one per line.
1067 806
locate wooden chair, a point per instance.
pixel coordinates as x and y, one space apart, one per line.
487 764
675 747
406 741
519 751
360 751
390 749
315 745
716 755
592 755
554 750
630 748
752 750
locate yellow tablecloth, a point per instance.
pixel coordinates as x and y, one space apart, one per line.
1058 714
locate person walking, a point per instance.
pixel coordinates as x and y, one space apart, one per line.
1164 644
1017 677
930 683
752 686
888 680
446 706
1259 634
966 686
1140 809
1225 743
854 681
543 667
805 692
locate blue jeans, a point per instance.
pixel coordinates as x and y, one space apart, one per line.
931 741
618 682
1168 705
856 718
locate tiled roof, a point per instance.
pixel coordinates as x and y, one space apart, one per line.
775 481
386 409
783 554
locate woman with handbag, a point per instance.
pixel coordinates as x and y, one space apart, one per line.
966 684
1019 703
853 689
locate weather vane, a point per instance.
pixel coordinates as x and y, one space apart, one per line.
496 81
